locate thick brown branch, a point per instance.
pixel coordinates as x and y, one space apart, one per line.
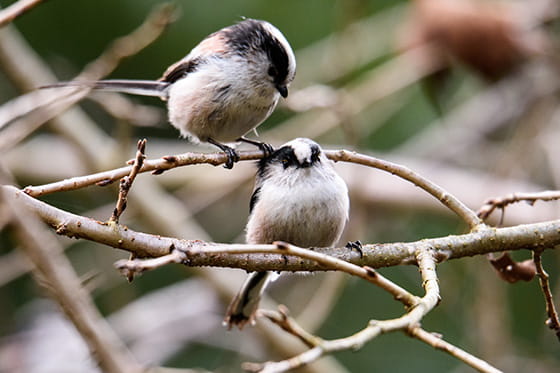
484 241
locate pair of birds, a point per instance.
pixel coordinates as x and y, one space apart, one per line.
225 87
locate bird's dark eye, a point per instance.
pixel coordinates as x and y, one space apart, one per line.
272 71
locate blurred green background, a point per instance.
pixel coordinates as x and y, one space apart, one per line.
480 313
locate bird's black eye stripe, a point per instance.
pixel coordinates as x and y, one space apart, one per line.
315 152
272 71
250 35
278 58
285 156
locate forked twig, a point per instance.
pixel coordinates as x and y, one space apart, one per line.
552 322
426 263
126 182
501 202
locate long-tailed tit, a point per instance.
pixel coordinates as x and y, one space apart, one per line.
298 198
224 88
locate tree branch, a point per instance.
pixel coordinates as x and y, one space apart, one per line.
552 321
426 262
501 202
40 106
446 198
158 166
437 342
126 182
480 242
15 10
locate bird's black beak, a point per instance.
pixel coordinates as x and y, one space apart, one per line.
305 164
282 89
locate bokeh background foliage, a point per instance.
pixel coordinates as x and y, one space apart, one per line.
500 322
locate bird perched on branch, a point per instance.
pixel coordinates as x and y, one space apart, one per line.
224 88
298 198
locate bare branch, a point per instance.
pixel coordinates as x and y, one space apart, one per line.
437 342
552 322
160 165
501 202
288 324
41 106
426 263
157 166
15 10
480 242
126 182
436 191
131 267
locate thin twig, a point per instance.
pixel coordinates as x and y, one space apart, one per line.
282 319
131 267
446 198
552 322
437 342
40 106
15 10
501 202
426 263
166 163
156 166
126 182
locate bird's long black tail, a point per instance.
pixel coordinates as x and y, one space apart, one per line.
135 87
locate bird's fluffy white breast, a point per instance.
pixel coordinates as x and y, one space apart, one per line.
307 207
217 100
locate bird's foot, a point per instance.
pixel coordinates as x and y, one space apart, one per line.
356 245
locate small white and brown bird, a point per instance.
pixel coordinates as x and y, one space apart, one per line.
298 198
224 88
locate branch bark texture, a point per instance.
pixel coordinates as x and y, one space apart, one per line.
482 241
